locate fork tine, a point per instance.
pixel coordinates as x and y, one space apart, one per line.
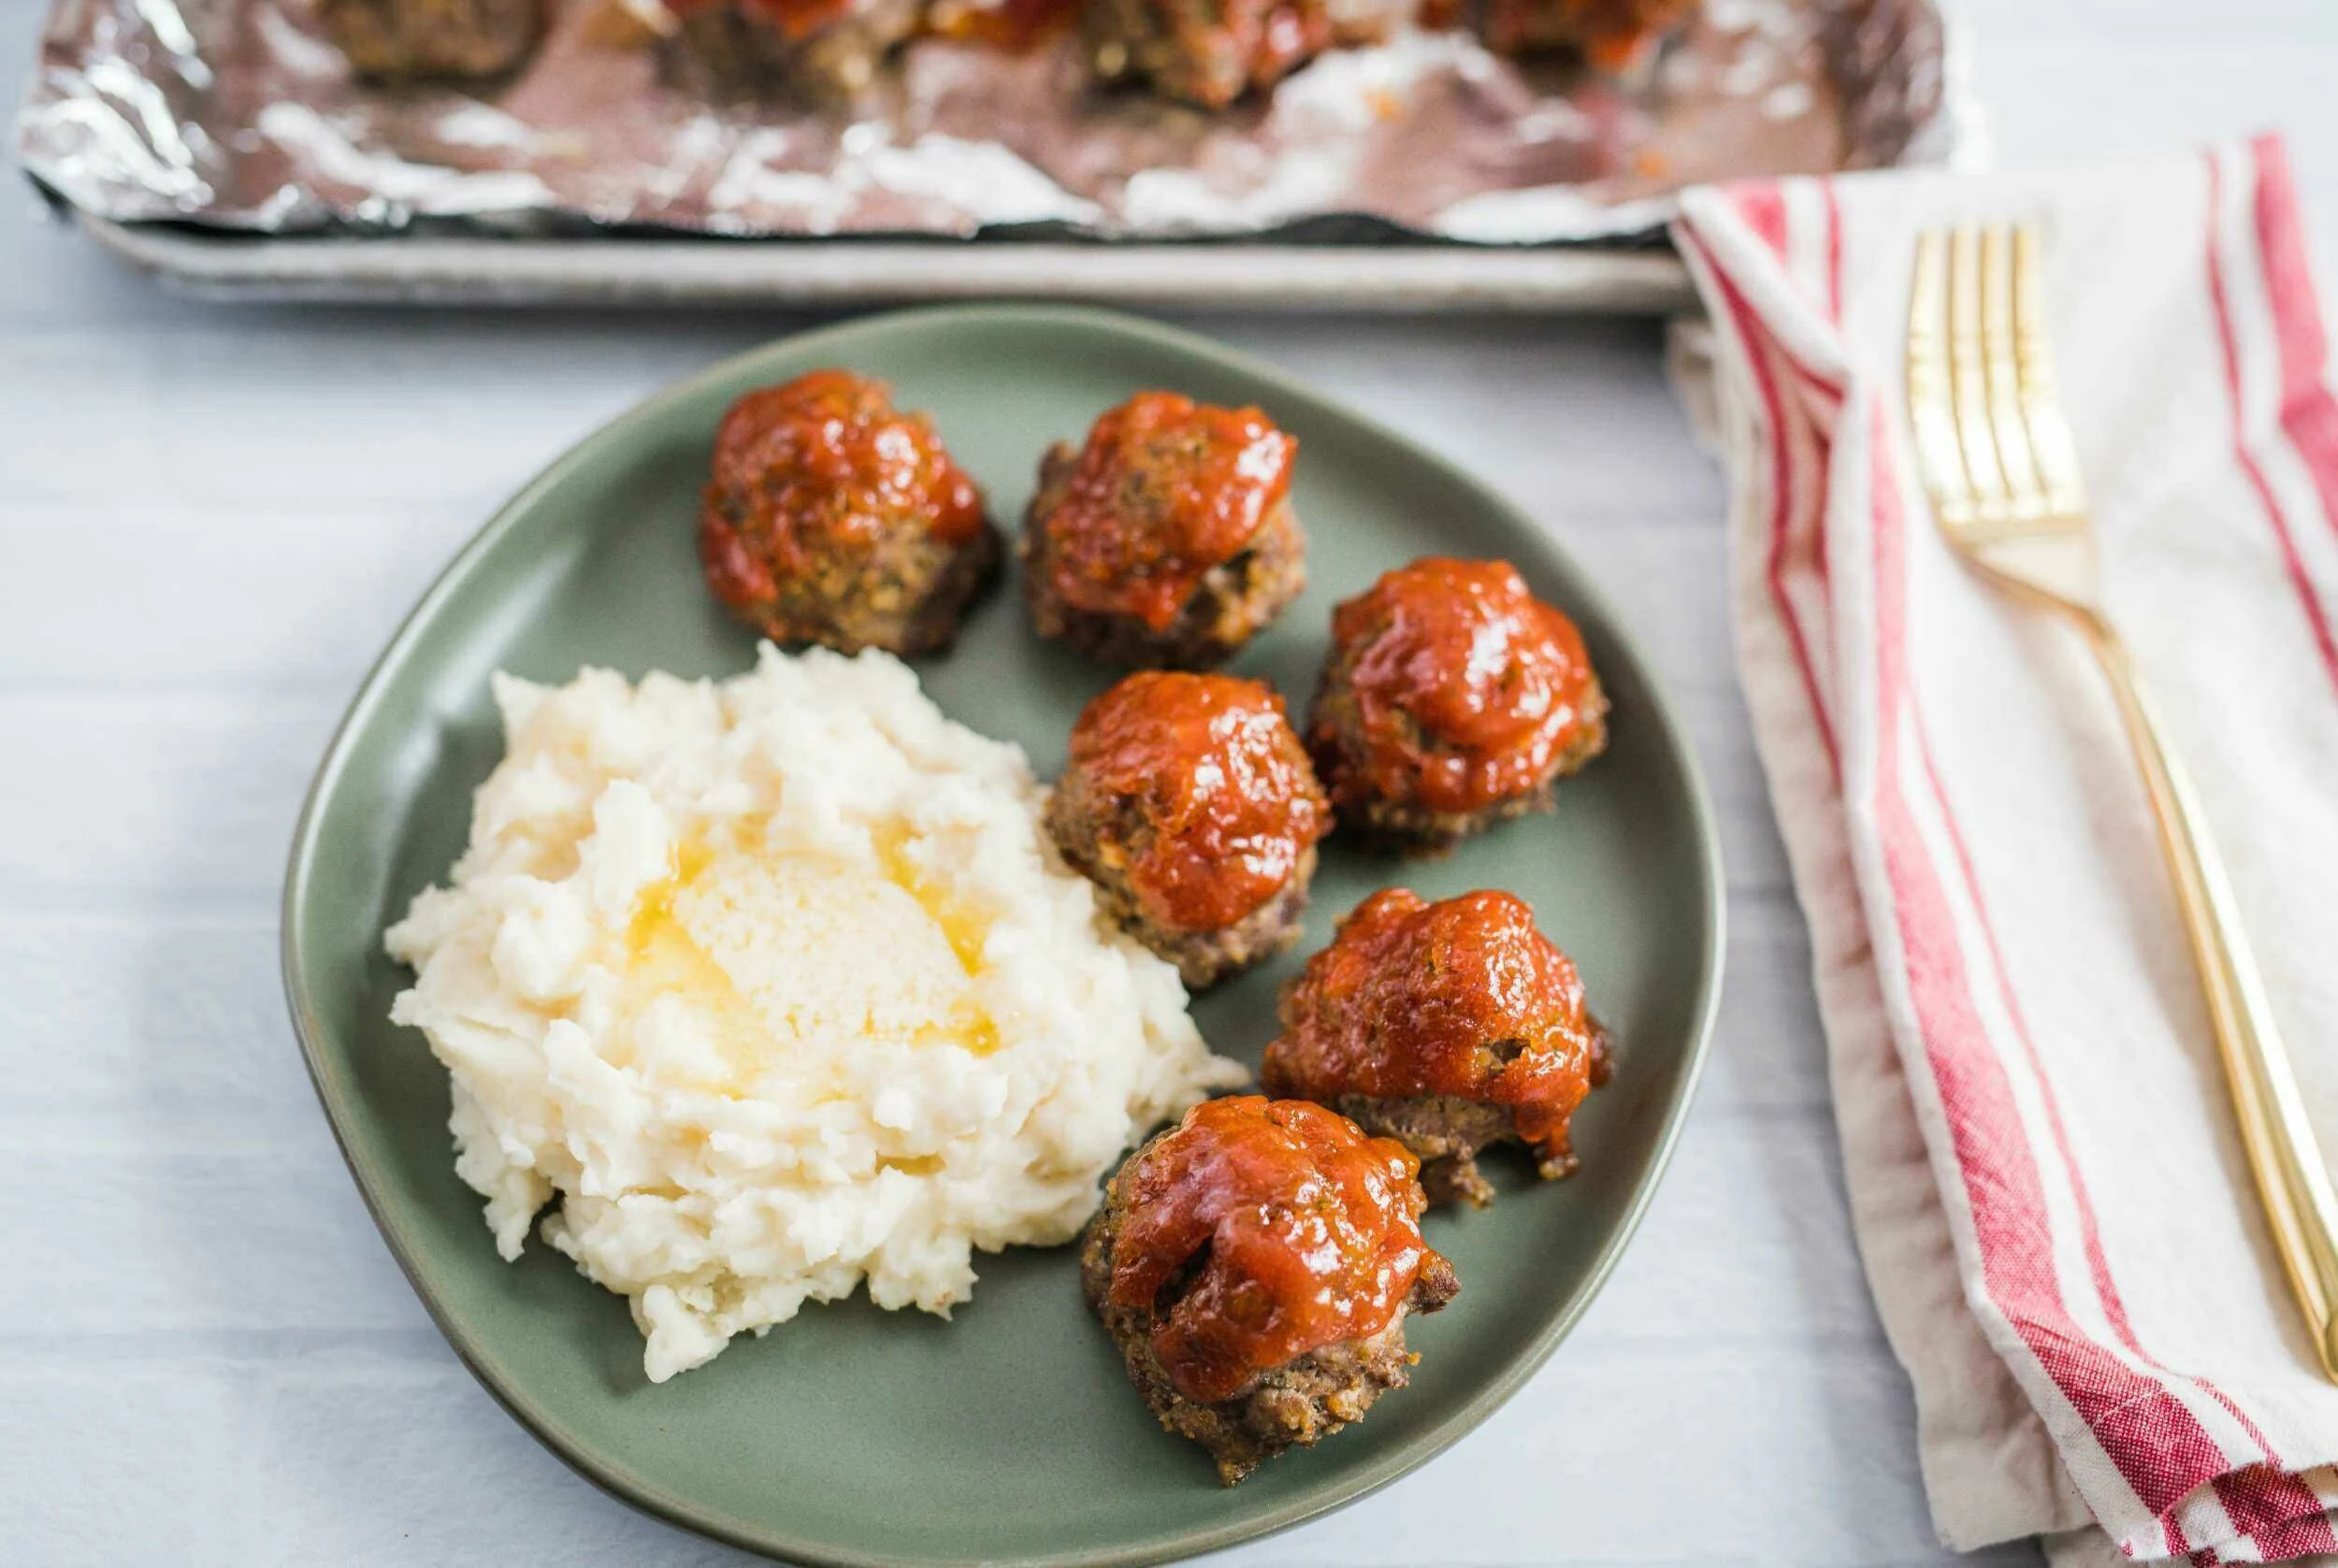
1931 411
1969 377
2025 494
2055 453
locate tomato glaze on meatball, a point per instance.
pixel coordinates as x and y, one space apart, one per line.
1211 52
1190 803
1451 699
1255 1265
1448 1027
1167 539
833 517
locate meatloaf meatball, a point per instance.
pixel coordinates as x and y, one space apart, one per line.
1451 699
1191 806
1210 52
1255 1265
832 517
1446 1026
818 50
1613 36
1168 540
395 39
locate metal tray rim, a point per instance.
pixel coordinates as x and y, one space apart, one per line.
664 273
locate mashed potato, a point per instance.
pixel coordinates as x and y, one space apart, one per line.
777 986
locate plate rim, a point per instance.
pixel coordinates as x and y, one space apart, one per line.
630 1487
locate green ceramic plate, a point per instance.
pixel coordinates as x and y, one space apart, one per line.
1009 1435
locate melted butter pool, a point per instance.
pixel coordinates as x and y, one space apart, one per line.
768 950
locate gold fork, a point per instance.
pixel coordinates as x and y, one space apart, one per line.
1998 461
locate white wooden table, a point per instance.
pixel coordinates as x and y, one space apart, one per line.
210 519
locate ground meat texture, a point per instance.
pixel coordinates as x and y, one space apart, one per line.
395 40
1612 36
834 518
1190 803
818 50
1451 699
1167 539
1211 52
1255 1266
1203 957
1449 1028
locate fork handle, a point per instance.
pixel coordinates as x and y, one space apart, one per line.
2283 1155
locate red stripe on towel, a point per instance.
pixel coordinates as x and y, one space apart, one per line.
1834 317
2309 414
1756 343
2272 1499
2156 1442
2277 1511
2316 618
1763 206
1763 210
1834 253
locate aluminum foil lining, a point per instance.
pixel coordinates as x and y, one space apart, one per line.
241 114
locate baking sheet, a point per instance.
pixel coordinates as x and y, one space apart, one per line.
236 115
419 269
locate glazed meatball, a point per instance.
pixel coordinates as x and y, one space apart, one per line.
1448 1027
818 50
1613 36
1210 52
1255 1265
1168 540
1451 699
833 517
395 40
1191 804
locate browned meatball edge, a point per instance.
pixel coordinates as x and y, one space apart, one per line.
1404 827
1092 833
1448 1132
1234 601
908 594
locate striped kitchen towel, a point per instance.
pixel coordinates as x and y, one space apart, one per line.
2051 1201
